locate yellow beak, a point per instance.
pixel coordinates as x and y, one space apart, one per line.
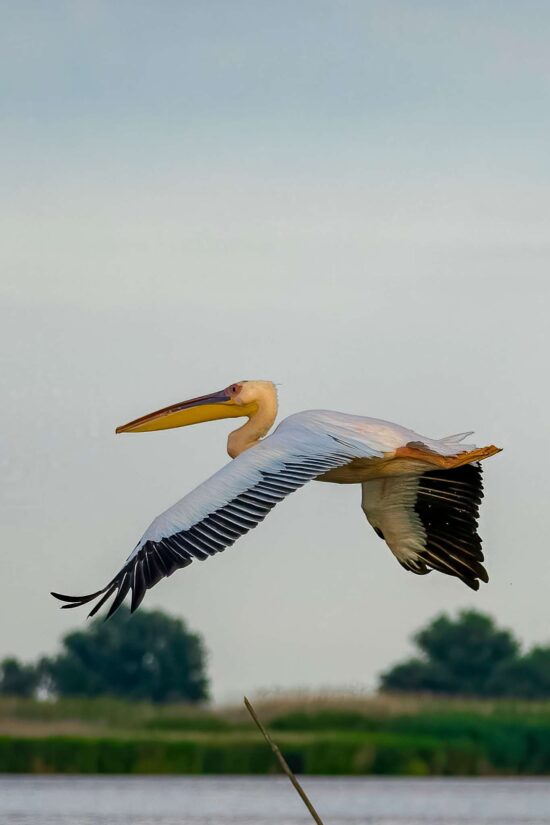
195 411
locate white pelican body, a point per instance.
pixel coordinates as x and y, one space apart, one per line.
420 495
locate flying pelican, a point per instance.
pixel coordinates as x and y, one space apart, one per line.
420 495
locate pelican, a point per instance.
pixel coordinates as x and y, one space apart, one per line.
420 495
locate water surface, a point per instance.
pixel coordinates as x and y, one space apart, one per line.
26 800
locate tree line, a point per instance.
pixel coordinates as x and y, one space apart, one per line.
153 656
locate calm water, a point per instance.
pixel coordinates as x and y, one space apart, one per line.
266 801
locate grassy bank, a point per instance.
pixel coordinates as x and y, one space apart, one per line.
321 754
326 736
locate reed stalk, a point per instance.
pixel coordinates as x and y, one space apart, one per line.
283 763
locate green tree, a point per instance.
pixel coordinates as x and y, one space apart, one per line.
458 656
18 679
417 676
145 656
527 677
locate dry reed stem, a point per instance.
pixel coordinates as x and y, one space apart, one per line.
283 763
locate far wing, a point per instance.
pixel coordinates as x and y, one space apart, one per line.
429 521
232 502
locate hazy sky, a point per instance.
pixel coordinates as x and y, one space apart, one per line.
349 198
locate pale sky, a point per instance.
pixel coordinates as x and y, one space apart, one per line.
349 198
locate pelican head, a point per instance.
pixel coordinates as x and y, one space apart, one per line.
240 399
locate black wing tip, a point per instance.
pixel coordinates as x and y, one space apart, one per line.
423 567
75 601
479 575
127 579
63 598
80 601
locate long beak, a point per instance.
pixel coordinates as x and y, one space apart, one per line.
195 411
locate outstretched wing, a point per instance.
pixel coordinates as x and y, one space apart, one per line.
232 502
429 521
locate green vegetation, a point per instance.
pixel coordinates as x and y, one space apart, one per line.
148 655
104 713
115 706
326 754
382 735
471 656
506 740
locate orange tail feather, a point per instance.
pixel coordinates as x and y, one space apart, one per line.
446 462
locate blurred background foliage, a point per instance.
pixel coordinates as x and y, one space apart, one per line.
471 656
149 655
153 656
131 696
